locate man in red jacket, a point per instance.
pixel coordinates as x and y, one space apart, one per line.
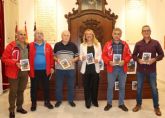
14 52
116 55
41 67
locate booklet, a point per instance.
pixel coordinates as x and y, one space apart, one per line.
90 59
131 67
146 56
116 85
116 58
65 64
134 85
101 65
24 64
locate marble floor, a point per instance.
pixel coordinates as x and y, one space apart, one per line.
65 111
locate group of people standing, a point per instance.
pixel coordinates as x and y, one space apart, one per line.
44 61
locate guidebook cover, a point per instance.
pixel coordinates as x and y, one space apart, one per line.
24 64
65 64
116 58
146 56
132 67
90 59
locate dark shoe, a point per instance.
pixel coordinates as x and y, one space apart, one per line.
72 104
107 107
123 107
87 105
58 103
23 111
12 115
33 107
48 105
158 112
136 108
95 104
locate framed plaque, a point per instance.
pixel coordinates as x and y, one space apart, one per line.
91 4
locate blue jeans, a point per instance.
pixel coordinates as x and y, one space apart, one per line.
61 75
153 85
121 75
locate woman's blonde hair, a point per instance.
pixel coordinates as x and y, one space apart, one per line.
95 41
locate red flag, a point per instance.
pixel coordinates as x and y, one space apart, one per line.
16 31
26 33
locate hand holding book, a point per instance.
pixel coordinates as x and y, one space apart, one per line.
51 70
151 61
111 63
146 57
121 63
18 65
64 63
83 58
71 61
24 64
117 59
140 61
96 60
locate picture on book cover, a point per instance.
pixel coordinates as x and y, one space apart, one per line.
65 64
132 67
91 4
146 57
134 85
116 58
90 58
101 64
116 85
24 64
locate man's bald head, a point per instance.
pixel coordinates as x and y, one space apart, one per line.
21 35
65 35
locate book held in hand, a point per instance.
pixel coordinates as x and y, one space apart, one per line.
116 58
90 59
146 57
24 64
65 64
101 65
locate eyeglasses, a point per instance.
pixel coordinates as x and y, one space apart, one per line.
116 33
146 30
22 34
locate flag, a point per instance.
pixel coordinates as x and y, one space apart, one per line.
16 31
35 27
26 33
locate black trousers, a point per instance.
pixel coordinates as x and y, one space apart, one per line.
43 79
91 83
